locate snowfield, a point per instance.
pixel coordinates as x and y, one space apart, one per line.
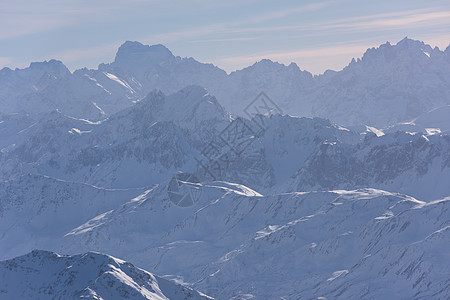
47 275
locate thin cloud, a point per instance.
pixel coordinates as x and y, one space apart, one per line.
405 19
286 12
435 18
386 15
224 40
410 19
81 54
175 36
22 26
26 18
228 27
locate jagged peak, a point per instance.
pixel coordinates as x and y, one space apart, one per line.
195 90
261 64
407 43
189 105
401 52
97 257
447 50
266 65
135 52
194 100
53 67
265 62
47 63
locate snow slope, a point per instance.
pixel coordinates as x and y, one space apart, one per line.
235 242
35 210
433 122
46 275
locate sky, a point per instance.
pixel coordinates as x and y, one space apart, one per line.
233 34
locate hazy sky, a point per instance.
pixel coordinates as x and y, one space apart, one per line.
231 34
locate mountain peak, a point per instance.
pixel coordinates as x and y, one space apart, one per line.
406 40
191 104
53 66
90 275
410 43
405 50
137 53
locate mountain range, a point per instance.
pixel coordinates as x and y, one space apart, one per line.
388 85
266 183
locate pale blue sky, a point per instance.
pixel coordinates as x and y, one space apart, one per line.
317 35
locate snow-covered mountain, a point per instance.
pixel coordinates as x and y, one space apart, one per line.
136 147
35 210
235 242
148 158
145 144
411 163
49 85
388 85
47 275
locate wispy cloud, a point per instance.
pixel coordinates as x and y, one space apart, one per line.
212 40
409 19
182 35
284 13
16 24
231 26
20 17
244 30
81 54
